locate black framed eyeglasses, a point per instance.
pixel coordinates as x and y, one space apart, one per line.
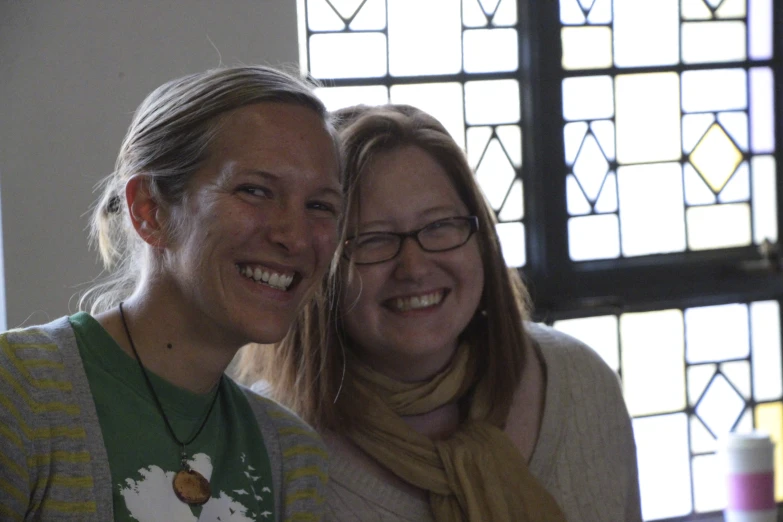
438 236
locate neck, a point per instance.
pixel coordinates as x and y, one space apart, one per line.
438 424
168 344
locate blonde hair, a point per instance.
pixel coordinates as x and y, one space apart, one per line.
305 370
168 140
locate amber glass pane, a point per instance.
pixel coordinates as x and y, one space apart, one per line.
769 418
716 157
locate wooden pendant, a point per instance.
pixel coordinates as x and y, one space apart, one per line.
191 487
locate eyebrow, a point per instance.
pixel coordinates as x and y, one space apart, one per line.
434 210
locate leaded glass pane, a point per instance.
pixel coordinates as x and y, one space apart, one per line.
489 50
495 174
492 101
664 465
720 407
648 117
576 201
598 332
708 483
766 341
738 374
769 418
714 90
718 226
506 13
731 9
696 190
588 98
338 97
705 42
586 47
764 180
694 10
699 376
716 157
362 55
736 125
637 23
513 208
760 29
593 237
321 17
510 137
716 333
590 167
762 117
651 210
737 189
607 201
442 100
652 353
372 16
424 37
512 241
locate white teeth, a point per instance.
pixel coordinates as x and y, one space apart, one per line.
273 279
418 302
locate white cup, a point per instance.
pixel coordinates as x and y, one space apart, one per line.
750 482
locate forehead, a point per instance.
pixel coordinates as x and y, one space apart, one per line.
404 179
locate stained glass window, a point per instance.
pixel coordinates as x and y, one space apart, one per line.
630 151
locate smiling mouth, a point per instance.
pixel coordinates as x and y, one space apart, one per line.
416 302
268 277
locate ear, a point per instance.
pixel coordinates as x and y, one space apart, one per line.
145 212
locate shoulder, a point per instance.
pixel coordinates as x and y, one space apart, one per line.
300 451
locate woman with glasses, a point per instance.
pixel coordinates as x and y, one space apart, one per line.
436 398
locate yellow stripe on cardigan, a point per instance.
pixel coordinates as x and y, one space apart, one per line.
66 482
70 457
309 471
305 494
35 406
12 436
68 507
7 463
6 511
301 449
11 349
43 363
303 517
13 491
40 433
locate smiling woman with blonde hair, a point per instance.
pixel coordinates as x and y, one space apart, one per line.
436 396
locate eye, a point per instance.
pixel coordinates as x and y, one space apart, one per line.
256 190
323 206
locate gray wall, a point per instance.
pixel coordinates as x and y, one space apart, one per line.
71 74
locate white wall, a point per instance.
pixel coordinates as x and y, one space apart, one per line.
71 74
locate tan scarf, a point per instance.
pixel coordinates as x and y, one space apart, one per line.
476 475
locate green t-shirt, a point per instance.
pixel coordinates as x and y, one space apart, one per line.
143 457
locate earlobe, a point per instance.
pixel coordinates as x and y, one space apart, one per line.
144 210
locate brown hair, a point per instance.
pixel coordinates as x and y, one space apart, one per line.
305 370
168 140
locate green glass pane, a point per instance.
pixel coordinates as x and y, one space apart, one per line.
718 226
705 42
442 100
490 50
637 23
512 242
765 330
651 209
652 353
593 237
664 465
764 185
424 37
586 47
716 157
648 117
598 332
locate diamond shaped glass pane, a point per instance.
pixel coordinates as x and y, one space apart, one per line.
495 174
573 136
720 407
590 167
699 376
716 157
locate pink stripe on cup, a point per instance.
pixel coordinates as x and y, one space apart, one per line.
751 491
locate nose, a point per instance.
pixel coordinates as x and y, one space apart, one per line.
412 262
290 230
